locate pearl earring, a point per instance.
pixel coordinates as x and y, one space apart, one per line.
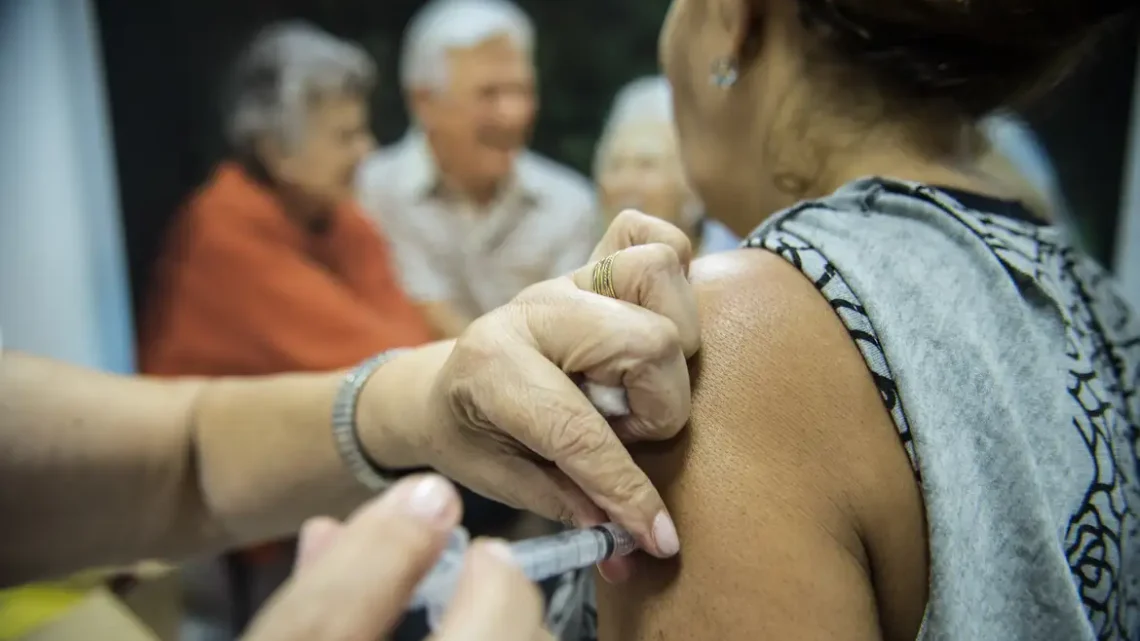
724 73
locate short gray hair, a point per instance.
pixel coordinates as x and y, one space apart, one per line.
443 25
286 66
646 99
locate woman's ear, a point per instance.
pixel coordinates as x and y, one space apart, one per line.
739 21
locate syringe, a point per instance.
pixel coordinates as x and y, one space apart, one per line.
540 558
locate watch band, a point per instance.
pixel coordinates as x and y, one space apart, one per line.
346 433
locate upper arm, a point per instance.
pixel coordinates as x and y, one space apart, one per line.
798 513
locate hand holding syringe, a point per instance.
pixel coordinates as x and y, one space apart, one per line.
540 558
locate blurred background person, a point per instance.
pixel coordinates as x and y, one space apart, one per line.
474 215
270 267
637 165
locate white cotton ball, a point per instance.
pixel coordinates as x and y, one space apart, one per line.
610 401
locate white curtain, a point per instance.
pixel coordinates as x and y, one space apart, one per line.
1128 236
63 275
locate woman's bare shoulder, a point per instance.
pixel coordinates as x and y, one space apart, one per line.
789 484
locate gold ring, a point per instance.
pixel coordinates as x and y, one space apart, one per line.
604 277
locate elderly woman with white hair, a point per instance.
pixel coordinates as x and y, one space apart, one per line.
637 165
271 267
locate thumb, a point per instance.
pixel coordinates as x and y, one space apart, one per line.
361 584
317 534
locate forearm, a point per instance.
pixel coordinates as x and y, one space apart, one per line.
101 470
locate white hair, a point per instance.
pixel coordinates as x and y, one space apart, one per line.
285 67
443 25
646 99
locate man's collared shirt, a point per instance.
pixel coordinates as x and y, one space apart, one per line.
542 224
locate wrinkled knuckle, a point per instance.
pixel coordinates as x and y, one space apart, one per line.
631 219
539 291
663 258
574 438
661 337
563 514
478 339
628 489
679 241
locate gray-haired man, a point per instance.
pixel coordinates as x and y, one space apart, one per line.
474 217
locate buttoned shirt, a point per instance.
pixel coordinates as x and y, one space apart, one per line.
543 223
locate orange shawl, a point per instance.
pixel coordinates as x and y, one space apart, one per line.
243 290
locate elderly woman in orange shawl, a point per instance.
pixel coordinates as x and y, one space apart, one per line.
271 267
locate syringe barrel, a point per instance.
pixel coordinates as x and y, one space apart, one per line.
550 556
539 559
439 584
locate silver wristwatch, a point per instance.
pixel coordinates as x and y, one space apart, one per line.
346 433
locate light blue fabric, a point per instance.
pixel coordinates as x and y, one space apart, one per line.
64 291
715 237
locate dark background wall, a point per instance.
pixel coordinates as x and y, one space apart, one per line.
1085 124
165 59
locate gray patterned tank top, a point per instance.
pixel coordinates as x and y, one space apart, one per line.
1009 365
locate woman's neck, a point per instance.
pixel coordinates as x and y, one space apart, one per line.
899 157
963 175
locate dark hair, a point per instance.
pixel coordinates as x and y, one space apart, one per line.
971 55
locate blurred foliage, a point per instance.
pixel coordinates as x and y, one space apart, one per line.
587 49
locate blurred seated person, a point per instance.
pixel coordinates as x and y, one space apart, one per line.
271 267
474 216
637 165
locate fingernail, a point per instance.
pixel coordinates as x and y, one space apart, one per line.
430 500
665 535
500 550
